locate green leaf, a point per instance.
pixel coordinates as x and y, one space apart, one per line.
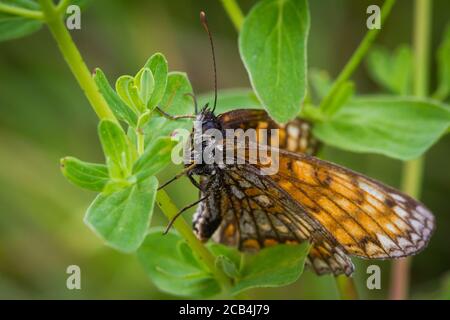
231 99
275 266
228 267
392 71
156 156
272 45
222 250
443 59
13 27
121 218
401 128
145 84
174 102
157 63
128 92
118 107
91 176
118 150
27 4
173 270
144 119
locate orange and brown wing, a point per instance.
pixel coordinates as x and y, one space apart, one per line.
368 219
295 136
256 214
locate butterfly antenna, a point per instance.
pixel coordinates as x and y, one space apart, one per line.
205 25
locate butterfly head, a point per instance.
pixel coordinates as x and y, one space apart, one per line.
208 119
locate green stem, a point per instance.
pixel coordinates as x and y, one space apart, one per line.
234 12
74 60
346 287
83 76
22 12
440 94
140 141
357 56
170 210
413 170
62 6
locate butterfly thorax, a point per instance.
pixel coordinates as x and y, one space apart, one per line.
205 138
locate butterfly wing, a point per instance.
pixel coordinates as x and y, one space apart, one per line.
255 213
367 218
293 136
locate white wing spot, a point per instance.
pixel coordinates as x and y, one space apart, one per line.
401 212
387 243
416 225
424 212
238 193
320 264
371 190
263 200
391 227
404 243
293 131
398 197
415 237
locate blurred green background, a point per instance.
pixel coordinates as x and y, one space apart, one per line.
45 116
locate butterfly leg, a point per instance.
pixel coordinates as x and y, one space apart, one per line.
171 117
181 211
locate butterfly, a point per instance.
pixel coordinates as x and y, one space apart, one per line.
340 212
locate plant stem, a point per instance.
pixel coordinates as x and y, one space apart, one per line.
346 287
62 6
170 210
83 76
22 12
357 56
440 94
74 60
413 170
234 12
140 141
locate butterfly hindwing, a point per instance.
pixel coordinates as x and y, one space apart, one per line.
256 214
367 218
295 136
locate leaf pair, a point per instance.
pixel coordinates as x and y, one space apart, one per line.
137 96
392 71
173 267
121 213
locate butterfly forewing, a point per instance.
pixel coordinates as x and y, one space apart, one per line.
338 211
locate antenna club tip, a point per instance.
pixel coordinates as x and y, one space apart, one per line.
203 17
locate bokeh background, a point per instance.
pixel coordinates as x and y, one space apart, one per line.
45 116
